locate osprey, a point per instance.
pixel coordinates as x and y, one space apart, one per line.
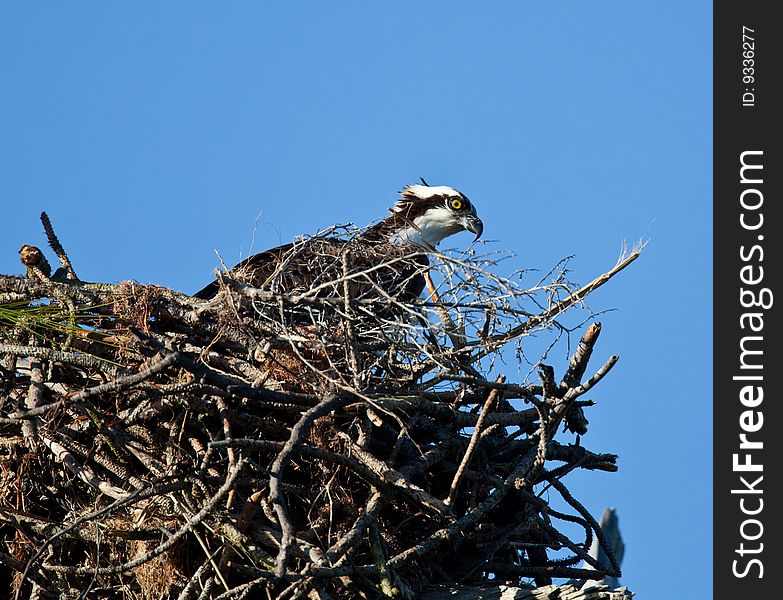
386 259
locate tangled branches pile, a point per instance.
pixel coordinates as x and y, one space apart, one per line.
332 441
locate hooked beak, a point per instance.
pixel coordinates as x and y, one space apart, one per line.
473 224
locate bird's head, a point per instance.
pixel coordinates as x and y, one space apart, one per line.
426 214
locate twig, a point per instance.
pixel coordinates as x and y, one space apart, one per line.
35 397
520 571
580 357
517 478
457 338
83 472
396 479
153 490
379 558
614 570
276 498
55 245
337 553
173 539
494 342
349 327
491 398
116 385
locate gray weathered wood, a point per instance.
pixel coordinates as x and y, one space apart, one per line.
568 591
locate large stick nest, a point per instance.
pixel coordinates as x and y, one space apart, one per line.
335 443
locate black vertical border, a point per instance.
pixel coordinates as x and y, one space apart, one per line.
738 128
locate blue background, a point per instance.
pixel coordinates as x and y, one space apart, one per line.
154 134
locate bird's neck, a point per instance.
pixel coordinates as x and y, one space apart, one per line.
425 231
425 237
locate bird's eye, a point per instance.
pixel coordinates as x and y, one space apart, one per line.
455 203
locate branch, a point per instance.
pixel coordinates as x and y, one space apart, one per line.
496 341
276 498
491 398
55 244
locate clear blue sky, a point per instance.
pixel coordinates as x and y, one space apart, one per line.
155 133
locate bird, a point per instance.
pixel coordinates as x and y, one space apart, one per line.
386 259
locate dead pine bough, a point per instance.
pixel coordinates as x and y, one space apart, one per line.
330 442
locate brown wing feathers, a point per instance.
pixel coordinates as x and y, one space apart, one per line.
296 268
